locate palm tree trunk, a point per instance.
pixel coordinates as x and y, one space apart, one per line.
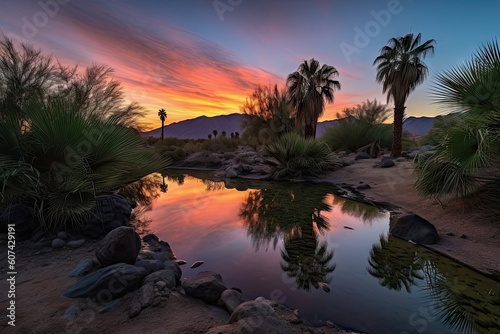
309 130
399 112
162 122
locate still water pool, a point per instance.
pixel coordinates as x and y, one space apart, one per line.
293 242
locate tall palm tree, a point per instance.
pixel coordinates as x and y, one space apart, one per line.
209 136
215 132
310 87
163 115
400 69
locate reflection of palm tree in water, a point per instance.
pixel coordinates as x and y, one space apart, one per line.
305 258
394 266
163 186
293 214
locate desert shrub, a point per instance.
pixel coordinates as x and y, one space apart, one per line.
350 134
294 156
64 159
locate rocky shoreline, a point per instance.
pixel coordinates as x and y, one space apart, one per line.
129 275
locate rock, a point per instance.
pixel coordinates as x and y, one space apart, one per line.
135 309
196 264
205 285
111 211
62 235
150 237
75 243
160 285
250 309
82 268
231 172
58 243
22 216
324 286
361 155
387 162
415 228
122 245
363 186
170 276
231 299
180 262
255 325
401 159
150 265
174 268
107 283
146 294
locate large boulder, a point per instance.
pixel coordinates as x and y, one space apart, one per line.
107 283
120 245
111 211
255 317
205 285
415 228
22 216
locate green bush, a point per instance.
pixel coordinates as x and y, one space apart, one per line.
294 156
350 134
63 159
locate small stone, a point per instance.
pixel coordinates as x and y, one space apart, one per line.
196 264
363 186
387 163
463 236
135 309
324 286
76 243
180 262
58 243
160 285
296 321
62 235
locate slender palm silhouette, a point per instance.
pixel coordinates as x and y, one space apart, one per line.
163 116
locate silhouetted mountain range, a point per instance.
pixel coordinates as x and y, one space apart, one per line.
200 127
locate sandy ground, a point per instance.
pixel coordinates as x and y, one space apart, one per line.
43 276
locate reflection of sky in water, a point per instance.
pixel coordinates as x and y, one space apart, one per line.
201 225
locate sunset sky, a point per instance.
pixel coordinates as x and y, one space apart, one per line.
203 57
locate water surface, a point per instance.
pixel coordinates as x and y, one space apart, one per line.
293 242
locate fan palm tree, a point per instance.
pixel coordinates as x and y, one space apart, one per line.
163 115
467 155
310 87
400 69
215 132
209 136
